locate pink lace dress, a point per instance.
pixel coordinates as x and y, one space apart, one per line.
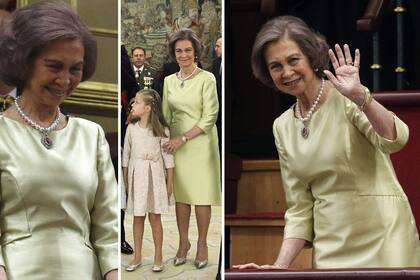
147 163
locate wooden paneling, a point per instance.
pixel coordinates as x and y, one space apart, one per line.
260 188
259 241
257 238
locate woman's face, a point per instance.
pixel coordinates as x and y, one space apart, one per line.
184 53
56 71
289 67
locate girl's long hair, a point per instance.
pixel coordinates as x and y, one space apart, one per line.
157 122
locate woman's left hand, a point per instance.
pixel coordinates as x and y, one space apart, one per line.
173 145
112 275
346 79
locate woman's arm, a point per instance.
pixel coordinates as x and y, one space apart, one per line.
104 212
207 121
381 120
288 252
175 143
347 82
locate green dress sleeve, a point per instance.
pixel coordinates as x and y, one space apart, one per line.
210 105
104 215
299 198
359 119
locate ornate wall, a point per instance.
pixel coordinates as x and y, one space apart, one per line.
150 23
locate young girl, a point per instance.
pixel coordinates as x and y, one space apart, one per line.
144 163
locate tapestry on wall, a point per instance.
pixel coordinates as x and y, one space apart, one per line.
150 23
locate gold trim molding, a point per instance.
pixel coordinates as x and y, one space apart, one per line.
21 3
104 32
95 95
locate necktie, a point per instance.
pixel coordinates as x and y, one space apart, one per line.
6 102
138 75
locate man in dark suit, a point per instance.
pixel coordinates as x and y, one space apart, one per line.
141 71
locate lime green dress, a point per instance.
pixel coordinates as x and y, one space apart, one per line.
59 207
341 189
197 162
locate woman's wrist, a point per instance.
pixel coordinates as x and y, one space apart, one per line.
281 265
359 96
367 99
184 139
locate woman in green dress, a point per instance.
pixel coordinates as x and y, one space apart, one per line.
58 216
190 107
334 143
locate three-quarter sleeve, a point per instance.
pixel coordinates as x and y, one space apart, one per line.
210 105
299 198
168 159
104 214
127 147
387 146
165 105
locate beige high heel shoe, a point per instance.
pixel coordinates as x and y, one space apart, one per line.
182 260
201 264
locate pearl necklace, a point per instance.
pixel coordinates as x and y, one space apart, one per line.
178 75
305 120
45 139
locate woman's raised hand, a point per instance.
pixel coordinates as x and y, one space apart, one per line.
346 79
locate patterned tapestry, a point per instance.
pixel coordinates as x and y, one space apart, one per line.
150 23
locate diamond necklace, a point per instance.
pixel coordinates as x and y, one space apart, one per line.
45 139
178 75
305 120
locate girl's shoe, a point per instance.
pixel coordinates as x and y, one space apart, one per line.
182 260
157 268
132 267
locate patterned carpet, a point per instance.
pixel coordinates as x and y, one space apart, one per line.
170 244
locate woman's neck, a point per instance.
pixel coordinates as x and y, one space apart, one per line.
187 70
307 98
36 111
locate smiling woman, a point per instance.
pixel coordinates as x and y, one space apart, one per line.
334 147
57 185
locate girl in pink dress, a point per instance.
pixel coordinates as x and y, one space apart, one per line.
147 171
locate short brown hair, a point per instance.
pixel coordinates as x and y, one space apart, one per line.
31 29
184 34
312 44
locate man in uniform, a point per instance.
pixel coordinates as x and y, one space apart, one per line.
142 72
